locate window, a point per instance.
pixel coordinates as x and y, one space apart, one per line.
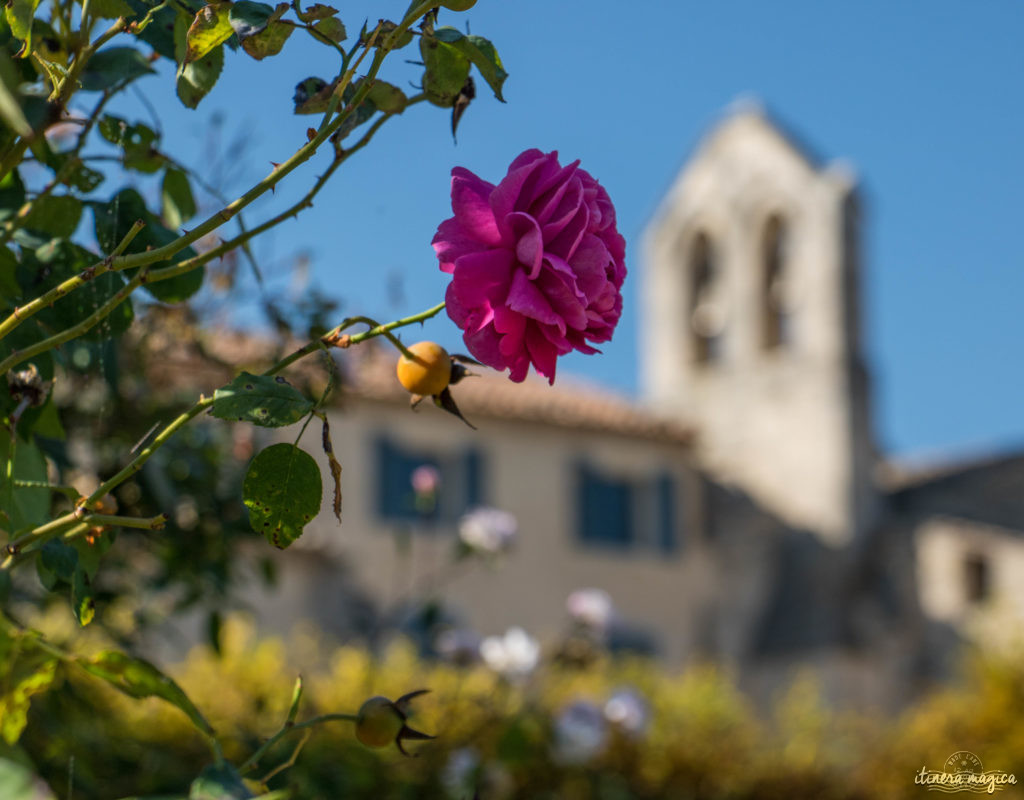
460 483
666 515
706 320
977 578
619 512
605 508
775 317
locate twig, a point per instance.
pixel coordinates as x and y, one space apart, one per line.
255 757
291 759
214 221
78 329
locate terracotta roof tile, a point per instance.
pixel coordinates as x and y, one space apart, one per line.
571 402
368 372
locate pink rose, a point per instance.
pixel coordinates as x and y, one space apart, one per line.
537 264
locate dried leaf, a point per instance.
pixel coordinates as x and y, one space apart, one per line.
335 468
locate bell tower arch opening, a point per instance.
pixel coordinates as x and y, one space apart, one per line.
750 329
775 286
705 313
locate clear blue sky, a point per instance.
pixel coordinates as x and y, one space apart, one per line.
924 99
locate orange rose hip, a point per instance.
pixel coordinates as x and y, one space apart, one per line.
429 372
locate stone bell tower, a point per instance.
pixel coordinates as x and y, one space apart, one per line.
751 331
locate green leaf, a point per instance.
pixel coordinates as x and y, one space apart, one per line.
388 36
57 215
480 52
10 105
85 179
270 402
317 11
25 507
55 264
113 220
111 9
10 290
81 177
387 97
58 560
18 783
210 28
312 95
5 587
19 14
446 71
29 240
48 424
176 197
82 600
219 782
25 671
138 678
12 194
111 128
181 287
114 66
196 78
282 490
267 42
333 28
248 18
89 555
361 114
137 141
159 34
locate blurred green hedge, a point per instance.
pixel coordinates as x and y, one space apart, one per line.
549 736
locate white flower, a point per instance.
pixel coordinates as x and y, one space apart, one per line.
591 608
580 733
628 711
513 655
459 773
488 530
458 645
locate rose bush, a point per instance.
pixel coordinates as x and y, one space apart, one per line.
537 264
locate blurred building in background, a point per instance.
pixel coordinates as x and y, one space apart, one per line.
740 512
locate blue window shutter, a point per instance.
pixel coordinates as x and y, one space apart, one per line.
668 540
582 476
387 479
474 478
605 509
395 497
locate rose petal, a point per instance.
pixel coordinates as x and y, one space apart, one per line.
568 205
452 241
478 275
563 300
529 241
542 353
470 202
528 300
564 244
